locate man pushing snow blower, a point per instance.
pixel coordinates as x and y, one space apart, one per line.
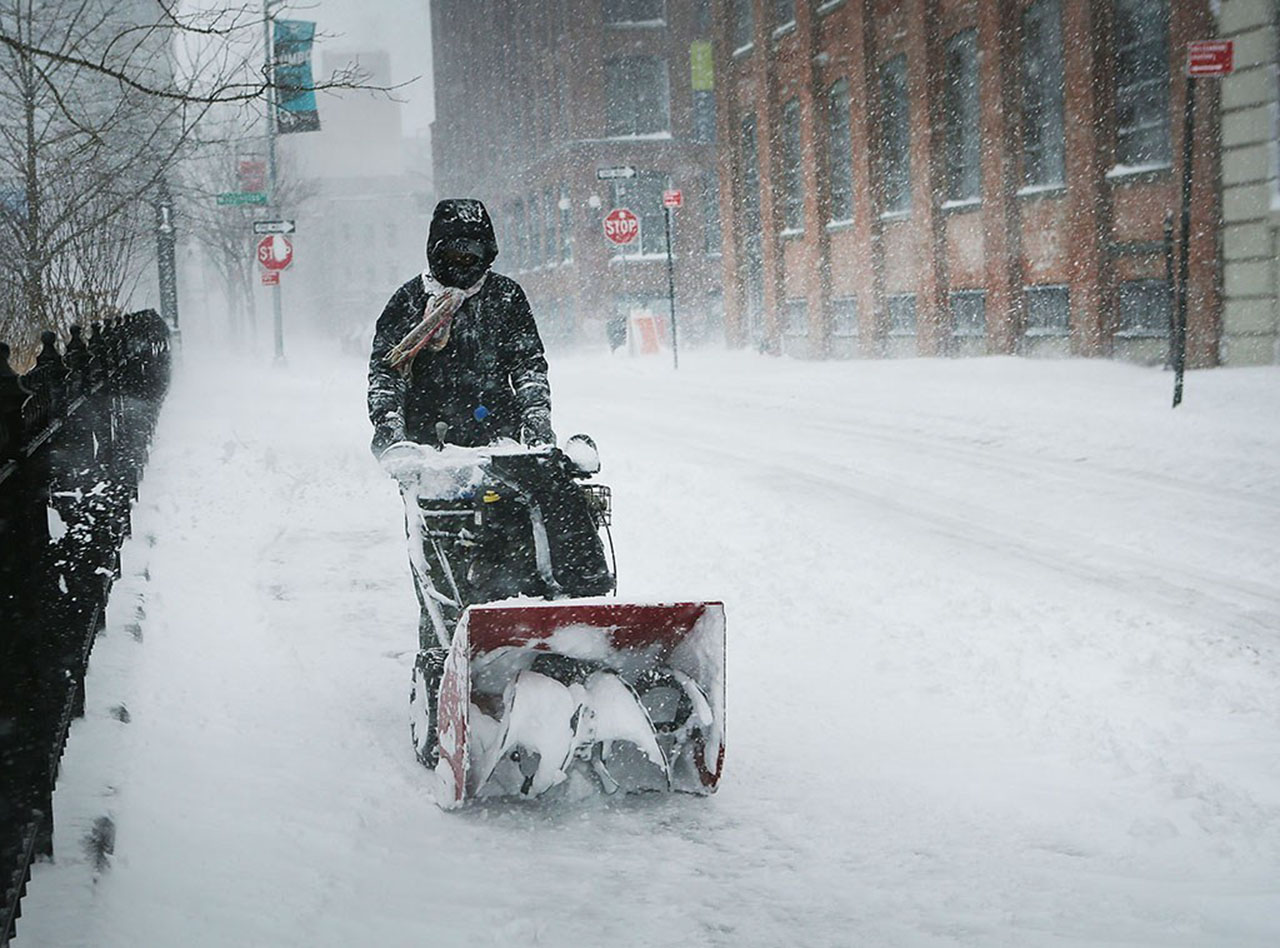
520 685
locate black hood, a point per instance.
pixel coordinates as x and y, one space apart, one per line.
461 223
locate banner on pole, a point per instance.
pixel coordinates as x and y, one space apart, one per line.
701 66
295 90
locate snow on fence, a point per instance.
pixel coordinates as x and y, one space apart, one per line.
74 434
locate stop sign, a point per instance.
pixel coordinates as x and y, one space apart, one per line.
275 252
621 226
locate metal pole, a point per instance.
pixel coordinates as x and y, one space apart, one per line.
1168 279
271 167
1184 244
671 292
166 263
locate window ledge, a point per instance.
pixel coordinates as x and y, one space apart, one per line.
637 24
836 226
895 216
639 257
1134 171
743 50
791 233
1047 333
784 29
828 5
663 136
1142 334
1042 190
961 204
844 334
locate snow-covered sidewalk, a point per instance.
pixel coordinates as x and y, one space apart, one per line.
1004 669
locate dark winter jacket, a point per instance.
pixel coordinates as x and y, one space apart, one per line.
489 381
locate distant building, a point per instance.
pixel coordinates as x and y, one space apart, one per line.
534 100
363 221
903 177
1251 184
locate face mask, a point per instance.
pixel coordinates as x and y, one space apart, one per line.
458 262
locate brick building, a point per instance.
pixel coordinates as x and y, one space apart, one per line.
1251 184
532 99
933 177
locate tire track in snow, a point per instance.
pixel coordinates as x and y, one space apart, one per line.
1171 587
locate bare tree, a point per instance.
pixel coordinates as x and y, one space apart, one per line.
99 101
225 234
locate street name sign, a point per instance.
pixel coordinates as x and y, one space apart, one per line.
621 226
242 197
608 174
274 227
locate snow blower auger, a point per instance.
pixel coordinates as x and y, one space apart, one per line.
528 683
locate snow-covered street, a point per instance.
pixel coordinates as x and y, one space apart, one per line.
1003 669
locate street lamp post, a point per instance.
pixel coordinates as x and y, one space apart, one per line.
166 265
269 61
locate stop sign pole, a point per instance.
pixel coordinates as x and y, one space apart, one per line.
672 199
1208 59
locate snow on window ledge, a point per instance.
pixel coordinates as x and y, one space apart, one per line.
1142 334
828 5
642 257
895 216
843 223
791 232
743 50
1028 190
784 29
958 204
1125 171
662 136
637 24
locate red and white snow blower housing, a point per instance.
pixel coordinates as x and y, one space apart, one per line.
537 696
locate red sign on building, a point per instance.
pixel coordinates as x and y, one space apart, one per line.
275 252
1210 58
621 226
673 198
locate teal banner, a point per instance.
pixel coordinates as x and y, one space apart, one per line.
295 89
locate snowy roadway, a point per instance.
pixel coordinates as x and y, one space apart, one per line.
1004 669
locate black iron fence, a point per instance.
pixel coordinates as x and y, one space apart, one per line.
74 435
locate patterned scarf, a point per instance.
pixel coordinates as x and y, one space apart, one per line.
432 333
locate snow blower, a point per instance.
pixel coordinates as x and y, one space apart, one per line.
528 683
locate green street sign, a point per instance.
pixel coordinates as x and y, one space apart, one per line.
242 197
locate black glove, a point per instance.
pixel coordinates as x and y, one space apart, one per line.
536 428
386 433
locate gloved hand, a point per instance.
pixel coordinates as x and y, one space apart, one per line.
536 428
386 433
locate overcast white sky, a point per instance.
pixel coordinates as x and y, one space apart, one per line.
401 27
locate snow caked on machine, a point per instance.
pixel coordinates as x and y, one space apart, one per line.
522 686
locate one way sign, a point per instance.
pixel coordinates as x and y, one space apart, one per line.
274 227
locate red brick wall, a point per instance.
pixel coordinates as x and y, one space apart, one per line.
1084 235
